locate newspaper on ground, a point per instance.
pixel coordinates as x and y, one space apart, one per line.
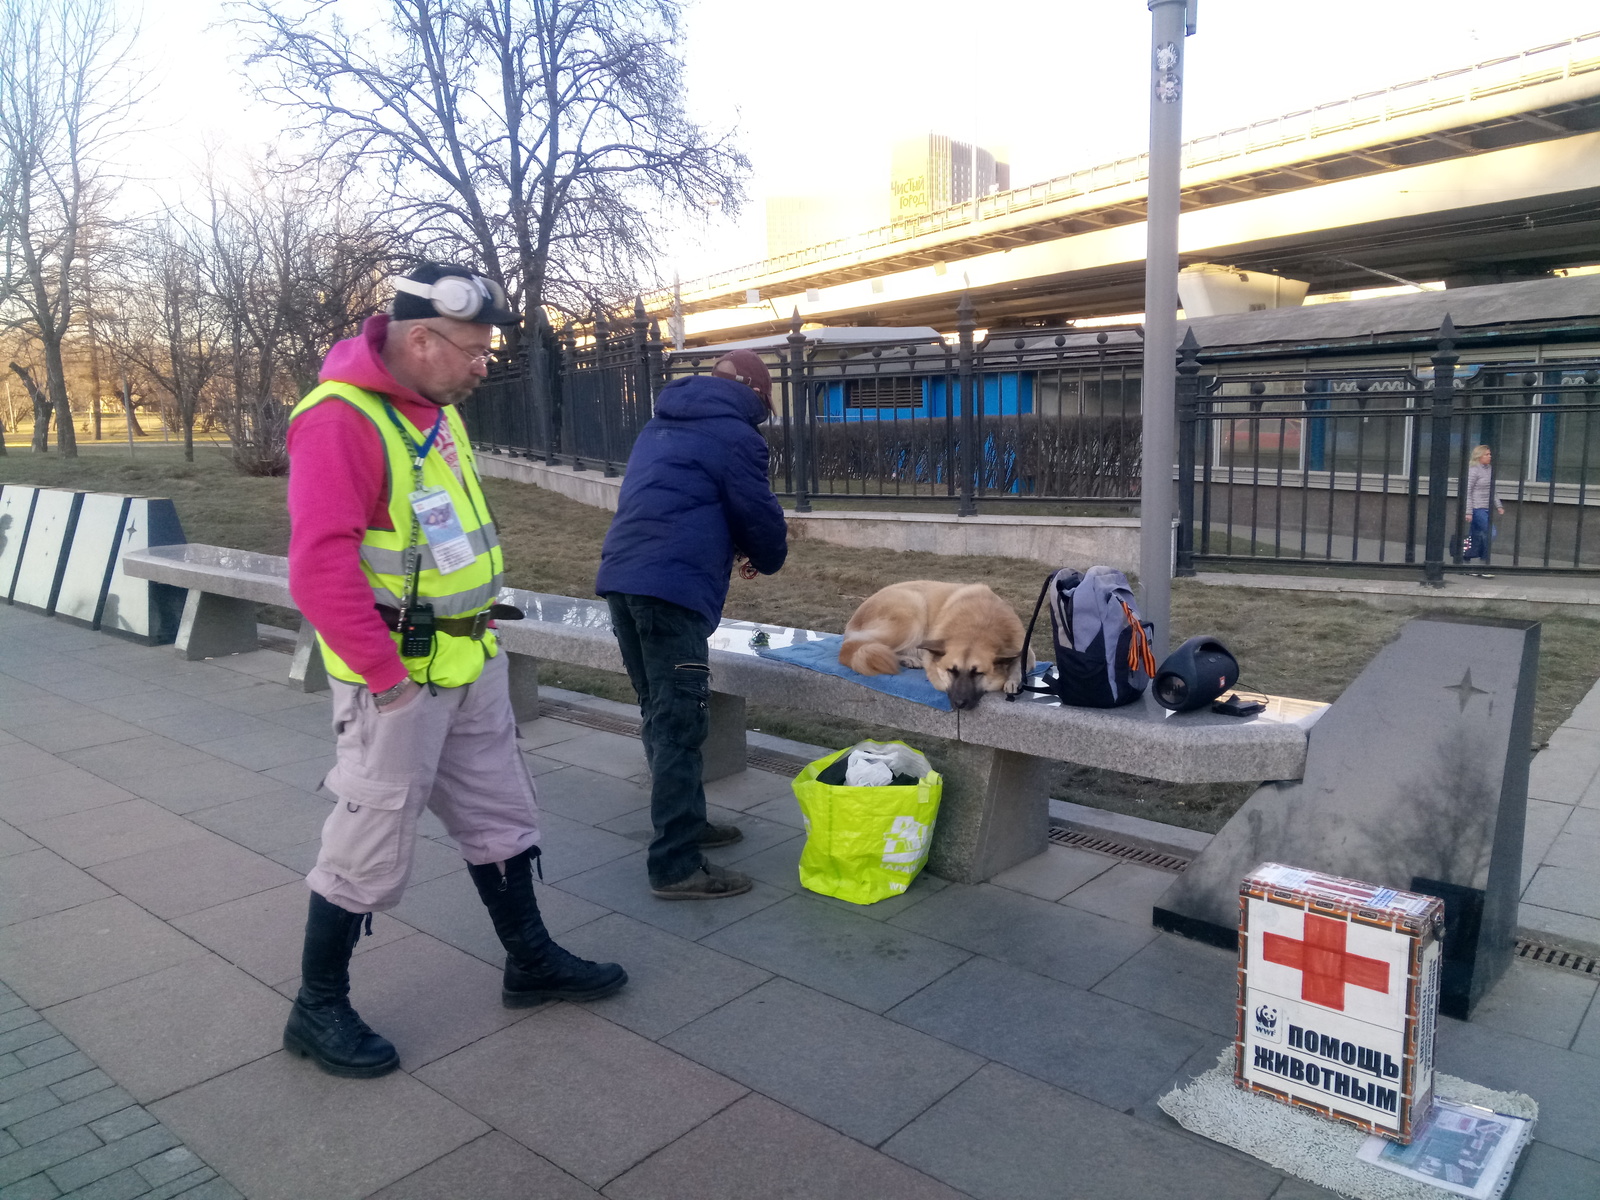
1459 1148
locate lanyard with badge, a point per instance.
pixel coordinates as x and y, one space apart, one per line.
434 516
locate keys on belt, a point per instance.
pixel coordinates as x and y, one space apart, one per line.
473 627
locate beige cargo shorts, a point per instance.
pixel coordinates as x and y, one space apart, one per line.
454 753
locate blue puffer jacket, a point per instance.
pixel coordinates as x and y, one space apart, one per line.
695 491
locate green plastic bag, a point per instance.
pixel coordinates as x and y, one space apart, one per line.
864 844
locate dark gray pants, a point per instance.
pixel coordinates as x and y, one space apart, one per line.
664 649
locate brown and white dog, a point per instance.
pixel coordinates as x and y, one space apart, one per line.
965 637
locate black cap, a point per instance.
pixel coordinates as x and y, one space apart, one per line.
477 299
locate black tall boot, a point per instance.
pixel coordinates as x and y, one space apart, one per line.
322 1025
536 968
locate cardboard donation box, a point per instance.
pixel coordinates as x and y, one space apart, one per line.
1338 996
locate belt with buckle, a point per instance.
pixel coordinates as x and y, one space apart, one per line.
473 627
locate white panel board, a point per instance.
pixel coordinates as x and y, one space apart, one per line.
16 507
92 558
137 608
55 513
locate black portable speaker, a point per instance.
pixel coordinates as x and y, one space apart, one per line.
1195 674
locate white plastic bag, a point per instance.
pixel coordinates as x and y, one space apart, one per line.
874 764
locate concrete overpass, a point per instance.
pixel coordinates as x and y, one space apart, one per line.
1486 173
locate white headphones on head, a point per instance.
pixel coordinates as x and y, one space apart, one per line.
459 297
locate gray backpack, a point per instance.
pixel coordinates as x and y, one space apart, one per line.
1103 656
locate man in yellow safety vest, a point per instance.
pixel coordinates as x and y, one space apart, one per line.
394 560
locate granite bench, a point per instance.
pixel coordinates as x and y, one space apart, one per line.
995 812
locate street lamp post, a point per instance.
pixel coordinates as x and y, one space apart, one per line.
1171 21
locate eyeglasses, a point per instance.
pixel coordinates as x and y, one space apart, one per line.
475 360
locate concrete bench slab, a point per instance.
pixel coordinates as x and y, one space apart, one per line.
995 812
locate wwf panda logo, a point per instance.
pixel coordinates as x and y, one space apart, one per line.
1267 1022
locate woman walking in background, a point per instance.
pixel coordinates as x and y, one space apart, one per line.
1480 495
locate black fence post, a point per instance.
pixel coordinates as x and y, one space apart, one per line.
561 433
572 436
799 415
633 413
549 359
1444 382
966 322
1188 394
654 372
609 390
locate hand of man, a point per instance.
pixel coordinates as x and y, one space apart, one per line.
409 691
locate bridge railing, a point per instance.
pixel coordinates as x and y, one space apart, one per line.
1544 64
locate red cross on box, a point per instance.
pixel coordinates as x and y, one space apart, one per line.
1324 964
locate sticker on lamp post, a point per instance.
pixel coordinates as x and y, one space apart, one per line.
1338 996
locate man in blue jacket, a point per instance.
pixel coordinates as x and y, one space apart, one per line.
695 493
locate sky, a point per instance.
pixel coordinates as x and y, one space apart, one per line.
818 91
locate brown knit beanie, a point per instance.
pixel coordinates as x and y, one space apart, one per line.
746 367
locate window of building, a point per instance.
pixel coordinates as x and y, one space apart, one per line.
888 391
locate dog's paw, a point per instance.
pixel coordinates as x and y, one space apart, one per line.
1012 687
914 663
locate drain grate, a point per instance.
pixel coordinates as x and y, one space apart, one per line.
1103 845
561 710
1556 957
607 722
778 764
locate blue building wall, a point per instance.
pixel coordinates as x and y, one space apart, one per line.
1005 393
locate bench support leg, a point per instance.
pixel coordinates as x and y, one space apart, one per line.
995 813
723 753
214 626
524 679
306 669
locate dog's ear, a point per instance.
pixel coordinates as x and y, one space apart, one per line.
931 646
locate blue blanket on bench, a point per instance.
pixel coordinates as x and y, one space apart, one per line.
823 655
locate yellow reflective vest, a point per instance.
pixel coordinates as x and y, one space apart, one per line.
455 661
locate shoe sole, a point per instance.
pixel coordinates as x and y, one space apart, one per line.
666 895
295 1046
510 999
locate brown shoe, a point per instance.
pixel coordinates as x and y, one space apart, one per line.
709 882
713 836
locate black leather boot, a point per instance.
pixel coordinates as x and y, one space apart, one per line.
536 968
322 1025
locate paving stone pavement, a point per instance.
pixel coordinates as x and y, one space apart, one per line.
70 1130
1561 847
1007 1040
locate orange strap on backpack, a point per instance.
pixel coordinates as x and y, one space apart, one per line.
1138 644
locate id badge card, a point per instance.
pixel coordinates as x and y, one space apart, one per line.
437 519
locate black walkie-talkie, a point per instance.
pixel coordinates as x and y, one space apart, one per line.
416 631
416 620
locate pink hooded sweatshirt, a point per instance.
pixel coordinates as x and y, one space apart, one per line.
338 489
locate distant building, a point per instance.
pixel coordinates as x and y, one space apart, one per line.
933 171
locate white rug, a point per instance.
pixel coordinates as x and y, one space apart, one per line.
1313 1148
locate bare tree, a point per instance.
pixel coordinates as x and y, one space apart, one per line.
178 327
93 261
294 270
41 408
544 139
61 102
